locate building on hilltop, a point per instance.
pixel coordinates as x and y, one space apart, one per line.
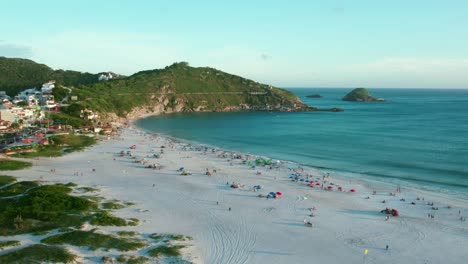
105 76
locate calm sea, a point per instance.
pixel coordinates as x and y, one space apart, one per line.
418 137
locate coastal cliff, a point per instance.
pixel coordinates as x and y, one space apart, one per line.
182 88
361 95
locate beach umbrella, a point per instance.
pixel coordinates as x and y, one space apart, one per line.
290 177
272 193
307 181
340 188
317 184
330 187
279 193
301 180
352 190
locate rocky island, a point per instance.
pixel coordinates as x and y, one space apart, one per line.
361 95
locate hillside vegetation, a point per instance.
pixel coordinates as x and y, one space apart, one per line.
182 88
20 74
176 88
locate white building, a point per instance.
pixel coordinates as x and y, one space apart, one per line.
7 114
48 87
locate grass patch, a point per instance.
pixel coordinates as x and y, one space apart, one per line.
133 222
94 241
71 184
112 205
37 254
132 259
178 237
18 188
4 180
41 232
14 165
60 145
9 243
169 237
168 251
86 189
128 233
157 236
41 208
106 219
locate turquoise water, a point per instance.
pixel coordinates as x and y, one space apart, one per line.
418 137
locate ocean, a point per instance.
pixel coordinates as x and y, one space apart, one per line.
417 138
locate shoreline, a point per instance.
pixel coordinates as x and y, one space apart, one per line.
377 182
258 229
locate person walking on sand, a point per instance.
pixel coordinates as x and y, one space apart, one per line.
386 248
229 208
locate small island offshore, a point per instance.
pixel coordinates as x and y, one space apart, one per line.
361 95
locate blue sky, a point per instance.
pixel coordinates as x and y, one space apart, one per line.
293 43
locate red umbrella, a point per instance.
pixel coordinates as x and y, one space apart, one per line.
317 184
330 187
340 188
279 193
352 190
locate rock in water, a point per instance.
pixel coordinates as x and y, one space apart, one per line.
314 96
361 95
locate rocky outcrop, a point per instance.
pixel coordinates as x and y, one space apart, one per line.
314 96
361 95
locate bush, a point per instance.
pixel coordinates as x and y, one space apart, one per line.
14 165
37 254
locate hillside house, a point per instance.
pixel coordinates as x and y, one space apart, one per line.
48 87
7 114
88 114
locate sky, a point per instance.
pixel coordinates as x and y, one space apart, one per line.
293 43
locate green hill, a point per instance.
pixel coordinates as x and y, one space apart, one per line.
19 74
176 88
181 88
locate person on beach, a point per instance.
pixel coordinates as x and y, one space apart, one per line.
386 248
229 208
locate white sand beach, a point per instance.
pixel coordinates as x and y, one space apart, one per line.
260 230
